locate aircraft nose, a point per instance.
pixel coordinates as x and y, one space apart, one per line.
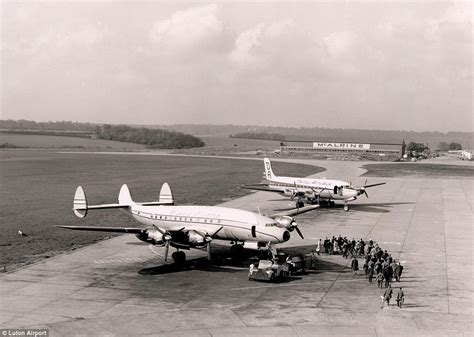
286 236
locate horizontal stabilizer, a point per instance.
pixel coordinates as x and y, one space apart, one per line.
106 229
80 205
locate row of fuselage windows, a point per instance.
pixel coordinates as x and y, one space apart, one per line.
178 218
300 186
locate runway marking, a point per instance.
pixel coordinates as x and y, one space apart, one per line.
275 286
390 242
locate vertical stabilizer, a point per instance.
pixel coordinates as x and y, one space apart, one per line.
269 175
166 196
125 198
80 202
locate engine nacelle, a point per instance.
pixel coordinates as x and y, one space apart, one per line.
152 236
196 239
284 221
288 193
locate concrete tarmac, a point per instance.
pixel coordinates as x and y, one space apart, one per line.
120 287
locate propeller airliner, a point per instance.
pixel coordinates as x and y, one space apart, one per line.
185 227
310 190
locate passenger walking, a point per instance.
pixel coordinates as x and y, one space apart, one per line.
387 296
387 275
379 280
370 273
398 271
313 260
326 245
318 247
354 266
400 297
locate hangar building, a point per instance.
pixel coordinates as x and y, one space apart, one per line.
351 149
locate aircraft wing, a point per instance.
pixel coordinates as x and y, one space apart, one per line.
261 187
107 229
295 211
367 186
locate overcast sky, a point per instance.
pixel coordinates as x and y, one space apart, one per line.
402 66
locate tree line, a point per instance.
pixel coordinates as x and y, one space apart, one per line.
259 135
152 138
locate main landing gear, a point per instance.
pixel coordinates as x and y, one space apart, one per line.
236 250
179 258
346 207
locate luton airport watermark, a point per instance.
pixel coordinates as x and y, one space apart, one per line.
25 332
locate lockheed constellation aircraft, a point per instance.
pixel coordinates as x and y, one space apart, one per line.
185 227
312 190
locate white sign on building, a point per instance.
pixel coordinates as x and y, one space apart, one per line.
345 146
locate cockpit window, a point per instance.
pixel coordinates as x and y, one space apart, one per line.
272 224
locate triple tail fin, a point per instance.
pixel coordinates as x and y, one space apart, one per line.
166 197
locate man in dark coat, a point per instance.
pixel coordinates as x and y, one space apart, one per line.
398 271
387 275
354 266
370 273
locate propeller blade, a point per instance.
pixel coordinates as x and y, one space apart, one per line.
208 251
217 231
299 232
365 192
167 248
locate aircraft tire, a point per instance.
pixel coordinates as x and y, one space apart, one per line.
179 258
236 251
346 208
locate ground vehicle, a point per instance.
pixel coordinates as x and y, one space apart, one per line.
268 270
296 264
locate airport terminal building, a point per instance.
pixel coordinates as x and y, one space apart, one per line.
351 149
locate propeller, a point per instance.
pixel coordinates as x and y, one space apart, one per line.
208 238
289 223
167 238
362 189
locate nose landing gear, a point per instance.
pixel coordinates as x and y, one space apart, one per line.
346 207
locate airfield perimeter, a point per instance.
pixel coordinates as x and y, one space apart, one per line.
115 287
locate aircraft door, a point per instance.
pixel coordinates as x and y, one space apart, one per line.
254 233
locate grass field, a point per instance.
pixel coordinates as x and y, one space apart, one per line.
58 142
395 170
37 189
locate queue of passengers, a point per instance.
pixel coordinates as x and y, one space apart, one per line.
378 263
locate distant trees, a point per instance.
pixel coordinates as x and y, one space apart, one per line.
152 138
417 149
24 124
259 135
444 146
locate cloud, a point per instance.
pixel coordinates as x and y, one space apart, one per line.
56 42
187 29
340 43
